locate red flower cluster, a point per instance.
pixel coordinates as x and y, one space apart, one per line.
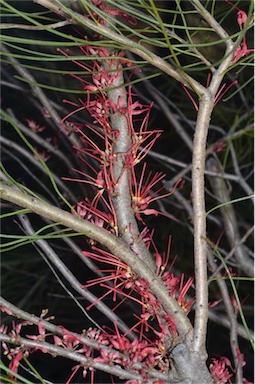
98 140
153 325
15 355
103 6
219 370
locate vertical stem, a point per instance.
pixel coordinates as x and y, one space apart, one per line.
198 166
121 198
200 245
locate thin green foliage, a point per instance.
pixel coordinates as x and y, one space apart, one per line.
149 16
6 379
229 203
25 240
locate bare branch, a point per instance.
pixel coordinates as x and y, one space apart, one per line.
232 319
116 246
230 221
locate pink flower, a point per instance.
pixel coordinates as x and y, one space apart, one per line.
159 382
241 51
219 370
34 126
219 146
111 11
43 154
14 364
143 194
6 310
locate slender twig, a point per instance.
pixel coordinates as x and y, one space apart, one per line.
21 314
239 175
30 173
232 319
217 28
225 322
174 122
232 252
33 160
169 160
34 27
200 246
41 96
74 283
230 221
40 140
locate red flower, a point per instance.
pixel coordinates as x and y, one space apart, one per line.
143 195
14 364
242 49
111 11
219 370
219 146
34 126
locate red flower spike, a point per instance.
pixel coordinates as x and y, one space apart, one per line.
221 93
190 97
160 264
159 382
122 273
186 305
241 18
235 304
75 370
241 15
240 358
101 219
142 195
